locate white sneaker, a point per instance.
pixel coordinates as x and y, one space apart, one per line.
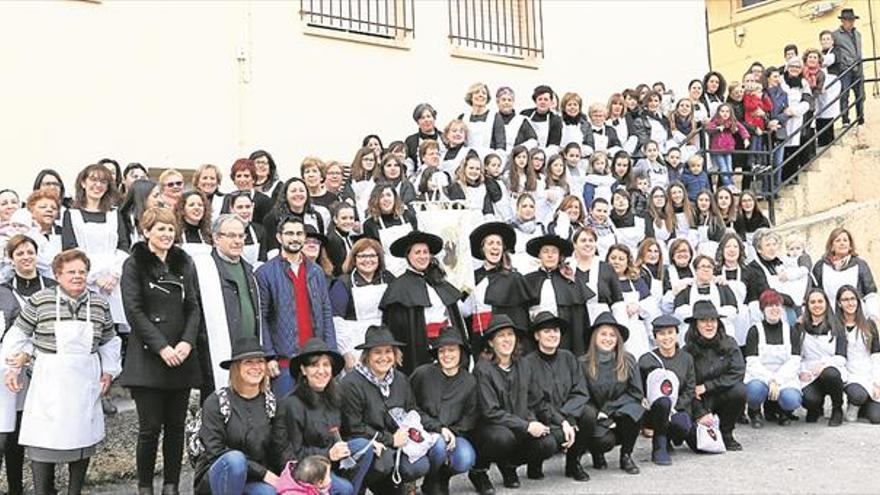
852 413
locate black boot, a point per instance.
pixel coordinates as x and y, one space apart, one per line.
509 476
730 443
627 464
756 418
480 479
430 485
599 461
535 470
836 418
813 415
574 469
659 454
443 478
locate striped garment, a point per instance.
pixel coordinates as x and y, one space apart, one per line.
37 317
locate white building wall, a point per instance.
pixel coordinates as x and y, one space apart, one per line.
160 83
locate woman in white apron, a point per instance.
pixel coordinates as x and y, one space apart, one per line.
207 180
455 136
469 186
773 359
841 266
748 220
638 308
679 208
574 122
96 229
705 288
823 359
546 124
194 223
44 206
483 126
595 276
663 226
355 297
388 220
241 205
518 175
680 275
621 124
361 182
731 271
568 217
599 221
630 228
70 333
650 262
862 357
496 187
827 103
392 170
526 228
517 130
710 225
770 272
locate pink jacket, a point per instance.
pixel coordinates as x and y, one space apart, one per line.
723 139
301 488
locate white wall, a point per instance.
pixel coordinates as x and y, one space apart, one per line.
158 82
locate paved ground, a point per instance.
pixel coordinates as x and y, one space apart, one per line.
797 459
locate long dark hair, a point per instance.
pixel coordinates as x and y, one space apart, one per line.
829 324
330 396
65 201
204 224
697 345
864 326
135 202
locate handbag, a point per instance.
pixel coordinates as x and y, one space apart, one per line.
709 437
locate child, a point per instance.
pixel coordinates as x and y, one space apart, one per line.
674 165
721 129
639 194
652 167
695 179
757 107
776 124
496 188
796 248
310 477
598 182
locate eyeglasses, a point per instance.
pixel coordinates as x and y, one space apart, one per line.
366 256
232 235
52 184
75 273
177 183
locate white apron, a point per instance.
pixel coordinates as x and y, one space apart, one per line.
820 349
49 248
632 236
686 311
98 241
216 324
637 343
859 362
604 243
251 252
362 190
350 333
8 399
704 244
520 259
742 321
542 131
387 236
63 406
474 197
772 357
795 289
480 133
546 300
594 307
833 280
571 133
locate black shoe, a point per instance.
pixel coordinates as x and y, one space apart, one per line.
756 418
628 465
109 408
480 479
599 461
730 443
836 418
509 477
145 490
743 419
659 452
813 416
784 419
574 469
429 486
535 470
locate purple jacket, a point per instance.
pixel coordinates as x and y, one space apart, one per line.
723 139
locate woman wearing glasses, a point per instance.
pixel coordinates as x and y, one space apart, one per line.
171 182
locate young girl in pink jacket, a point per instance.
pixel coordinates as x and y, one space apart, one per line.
721 129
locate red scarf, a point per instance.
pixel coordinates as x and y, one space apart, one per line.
811 73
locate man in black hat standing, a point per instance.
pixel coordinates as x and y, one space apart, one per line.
562 383
848 42
420 302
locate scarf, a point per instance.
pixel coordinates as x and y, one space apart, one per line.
526 226
811 73
839 262
384 384
576 120
684 124
601 229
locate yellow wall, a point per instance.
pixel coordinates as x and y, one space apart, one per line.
740 36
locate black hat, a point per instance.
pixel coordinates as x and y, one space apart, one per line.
378 336
703 310
449 336
400 247
499 322
546 319
508 237
312 232
245 348
533 247
313 347
848 14
665 321
607 318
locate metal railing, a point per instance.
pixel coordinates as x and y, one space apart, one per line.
508 28
771 175
382 18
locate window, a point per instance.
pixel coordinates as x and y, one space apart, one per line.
391 19
506 28
749 3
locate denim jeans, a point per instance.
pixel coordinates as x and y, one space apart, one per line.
351 484
724 164
282 384
460 460
757 393
228 476
858 90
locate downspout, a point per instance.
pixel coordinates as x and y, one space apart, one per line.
706 21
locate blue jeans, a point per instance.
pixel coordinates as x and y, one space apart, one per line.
724 163
228 476
282 384
460 460
351 485
757 392
858 91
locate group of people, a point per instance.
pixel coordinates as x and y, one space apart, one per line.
615 292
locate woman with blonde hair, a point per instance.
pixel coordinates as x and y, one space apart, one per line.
485 127
455 138
172 184
207 180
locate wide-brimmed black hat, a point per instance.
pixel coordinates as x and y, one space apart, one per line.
378 336
665 321
449 336
497 323
546 319
400 247
848 14
245 348
508 237
533 247
606 318
312 232
315 347
703 310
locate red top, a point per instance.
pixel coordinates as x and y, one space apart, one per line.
304 330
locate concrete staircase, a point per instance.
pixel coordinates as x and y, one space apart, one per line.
840 189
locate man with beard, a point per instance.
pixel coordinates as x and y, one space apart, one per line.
294 303
225 276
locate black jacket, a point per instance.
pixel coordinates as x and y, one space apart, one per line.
248 430
507 398
718 364
366 412
262 206
615 397
162 307
443 401
682 364
562 383
570 304
300 430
